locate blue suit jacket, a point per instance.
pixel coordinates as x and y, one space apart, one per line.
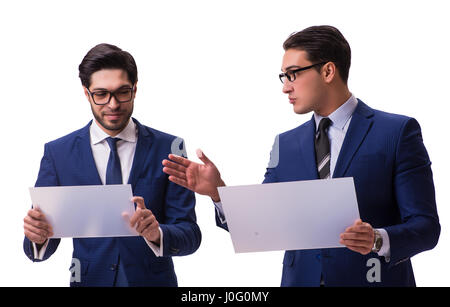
69 161
385 155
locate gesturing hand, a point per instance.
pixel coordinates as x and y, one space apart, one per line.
145 222
200 178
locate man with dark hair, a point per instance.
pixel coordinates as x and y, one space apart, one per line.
115 149
383 152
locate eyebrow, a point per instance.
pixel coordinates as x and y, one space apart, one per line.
290 67
104 89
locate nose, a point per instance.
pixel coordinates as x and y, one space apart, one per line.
287 87
113 103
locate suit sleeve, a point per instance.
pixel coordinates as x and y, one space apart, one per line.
47 177
414 190
182 235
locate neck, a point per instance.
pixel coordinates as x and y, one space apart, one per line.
334 100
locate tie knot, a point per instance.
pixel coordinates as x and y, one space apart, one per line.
112 142
324 124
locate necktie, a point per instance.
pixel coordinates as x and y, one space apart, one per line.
113 169
322 145
114 176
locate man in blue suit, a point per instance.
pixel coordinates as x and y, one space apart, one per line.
383 152
114 149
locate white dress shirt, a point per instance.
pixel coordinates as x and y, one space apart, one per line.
340 121
126 148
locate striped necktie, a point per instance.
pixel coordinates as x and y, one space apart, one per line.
322 146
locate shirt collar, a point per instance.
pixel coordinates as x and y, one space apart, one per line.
340 116
128 134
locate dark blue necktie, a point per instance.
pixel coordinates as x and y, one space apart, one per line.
114 176
113 170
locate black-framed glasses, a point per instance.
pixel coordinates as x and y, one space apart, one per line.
102 97
292 74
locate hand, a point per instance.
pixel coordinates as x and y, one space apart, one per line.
145 222
359 237
36 227
200 178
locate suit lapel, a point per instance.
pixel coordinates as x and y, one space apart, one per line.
143 145
306 142
85 161
360 125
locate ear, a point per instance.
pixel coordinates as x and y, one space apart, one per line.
135 90
329 72
86 93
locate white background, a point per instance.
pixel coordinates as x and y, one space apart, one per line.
208 73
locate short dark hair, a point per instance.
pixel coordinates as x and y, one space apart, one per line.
323 44
106 56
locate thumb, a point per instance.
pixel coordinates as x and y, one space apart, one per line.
203 157
139 202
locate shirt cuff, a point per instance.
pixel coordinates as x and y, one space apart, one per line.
220 212
39 254
157 250
385 250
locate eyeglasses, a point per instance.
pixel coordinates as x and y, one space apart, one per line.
102 97
292 74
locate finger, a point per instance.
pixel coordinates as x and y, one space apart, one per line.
203 157
179 181
36 214
175 173
139 201
126 217
145 223
352 242
34 237
358 249
174 165
40 224
363 228
37 218
355 236
138 215
180 160
36 233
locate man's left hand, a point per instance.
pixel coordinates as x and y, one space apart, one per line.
145 222
359 237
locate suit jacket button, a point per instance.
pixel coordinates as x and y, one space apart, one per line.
113 267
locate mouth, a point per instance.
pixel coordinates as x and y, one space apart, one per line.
292 100
113 116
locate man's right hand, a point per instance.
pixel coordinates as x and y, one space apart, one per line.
200 178
36 227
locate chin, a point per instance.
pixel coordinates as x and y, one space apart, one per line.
299 110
